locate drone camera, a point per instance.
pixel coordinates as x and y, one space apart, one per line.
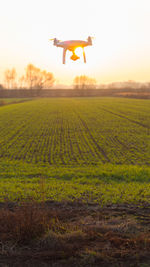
74 57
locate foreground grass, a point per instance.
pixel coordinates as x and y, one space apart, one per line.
104 184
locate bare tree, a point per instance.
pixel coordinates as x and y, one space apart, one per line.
84 82
76 82
22 82
10 78
48 79
36 78
31 75
7 77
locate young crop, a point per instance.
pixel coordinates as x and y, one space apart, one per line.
76 131
87 149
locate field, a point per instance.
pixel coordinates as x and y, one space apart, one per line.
75 144
80 155
74 132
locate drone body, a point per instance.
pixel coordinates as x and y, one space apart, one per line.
71 46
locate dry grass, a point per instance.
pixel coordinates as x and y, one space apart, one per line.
25 223
55 233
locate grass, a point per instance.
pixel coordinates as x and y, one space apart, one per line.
76 132
103 184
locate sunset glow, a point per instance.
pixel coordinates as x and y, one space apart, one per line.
120 51
79 52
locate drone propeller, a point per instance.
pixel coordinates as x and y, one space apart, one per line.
91 37
53 39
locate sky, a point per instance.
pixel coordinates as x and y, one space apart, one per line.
120 51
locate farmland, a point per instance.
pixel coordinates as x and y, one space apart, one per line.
88 149
75 132
75 182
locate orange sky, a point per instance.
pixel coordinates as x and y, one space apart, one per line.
121 49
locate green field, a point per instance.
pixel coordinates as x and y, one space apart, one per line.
88 149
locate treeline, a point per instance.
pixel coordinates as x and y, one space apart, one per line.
34 78
39 83
132 93
84 82
130 84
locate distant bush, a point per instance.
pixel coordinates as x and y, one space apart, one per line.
2 102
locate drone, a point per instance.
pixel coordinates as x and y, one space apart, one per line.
71 46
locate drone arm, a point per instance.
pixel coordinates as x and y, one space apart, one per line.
84 56
64 55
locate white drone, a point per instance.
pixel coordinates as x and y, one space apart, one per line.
71 46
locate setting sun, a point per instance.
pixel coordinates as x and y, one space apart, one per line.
79 52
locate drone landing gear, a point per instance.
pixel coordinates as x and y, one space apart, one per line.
64 56
84 56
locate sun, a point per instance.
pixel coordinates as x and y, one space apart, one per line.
79 52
